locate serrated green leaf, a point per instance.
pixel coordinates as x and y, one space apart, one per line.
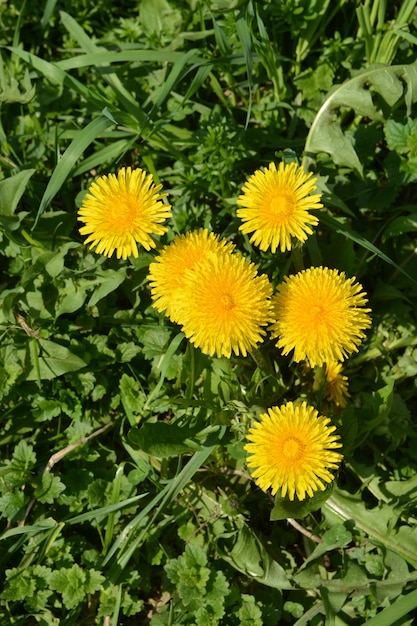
133 398
94 581
23 458
12 505
400 136
249 613
190 575
326 134
10 88
20 584
70 584
49 489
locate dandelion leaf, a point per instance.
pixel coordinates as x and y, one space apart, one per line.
11 190
54 360
364 94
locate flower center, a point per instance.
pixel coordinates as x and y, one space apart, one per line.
281 207
317 313
124 212
292 449
226 302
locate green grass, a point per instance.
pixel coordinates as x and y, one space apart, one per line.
124 494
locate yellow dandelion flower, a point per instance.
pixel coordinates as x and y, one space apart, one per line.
121 211
336 385
225 304
319 314
291 449
276 205
166 273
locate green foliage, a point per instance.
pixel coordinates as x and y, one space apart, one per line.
73 584
124 496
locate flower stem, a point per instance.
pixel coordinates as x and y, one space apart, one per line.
297 258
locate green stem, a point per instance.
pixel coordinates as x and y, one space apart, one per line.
191 383
297 258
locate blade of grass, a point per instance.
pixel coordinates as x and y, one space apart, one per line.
105 57
117 485
402 607
104 510
172 79
164 365
245 39
125 98
53 73
338 227
108 154
116 607
47 12
76 148
122 544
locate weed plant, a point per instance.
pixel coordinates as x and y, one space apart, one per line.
125 496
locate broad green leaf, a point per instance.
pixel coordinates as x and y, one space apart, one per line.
109 281
399 226
246 553
375 523
56 260
401 137
337 537
12 505
72 296
330 138
11 190
326 133
162 440
54 360
285 508
403 607
152 14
